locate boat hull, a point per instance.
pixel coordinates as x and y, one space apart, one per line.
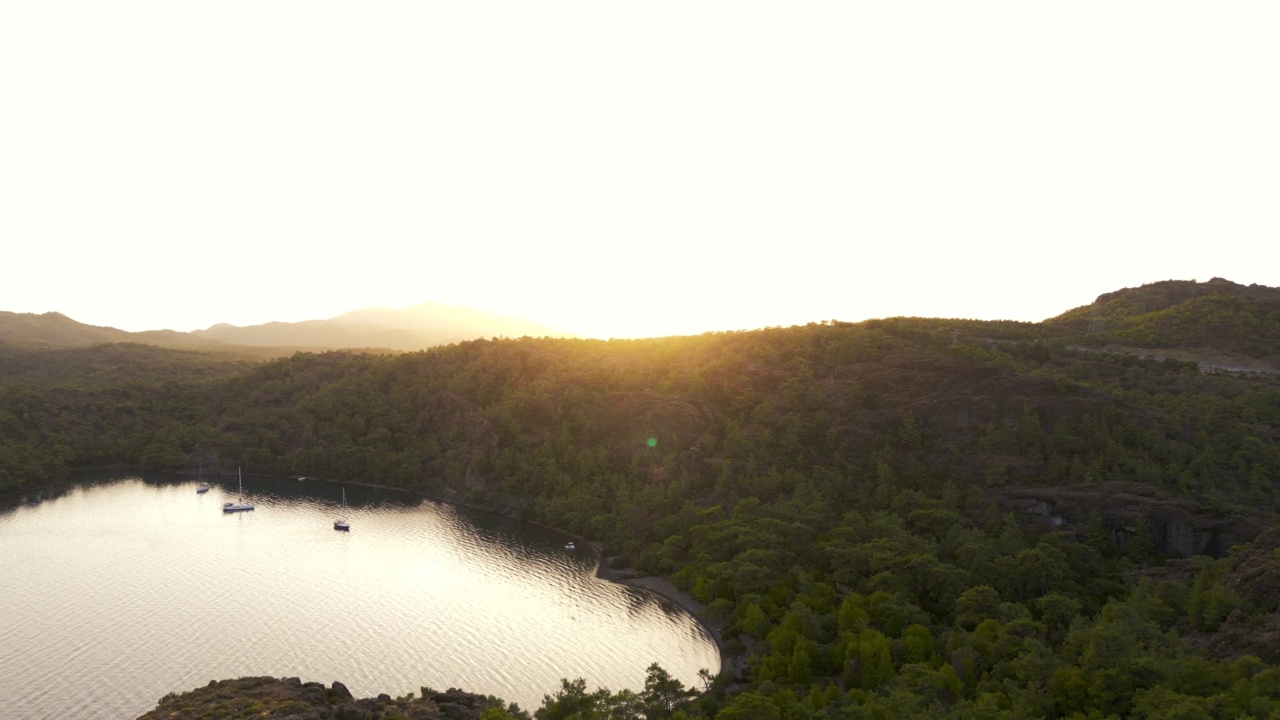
236 508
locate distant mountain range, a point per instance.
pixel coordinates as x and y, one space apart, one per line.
414 328
1217 321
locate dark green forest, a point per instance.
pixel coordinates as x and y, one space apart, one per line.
900 518
1236 320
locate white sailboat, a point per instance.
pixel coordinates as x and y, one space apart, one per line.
239 505
203 487
341 523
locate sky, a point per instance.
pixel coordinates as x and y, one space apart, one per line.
630 169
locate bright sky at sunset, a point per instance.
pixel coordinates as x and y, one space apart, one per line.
626 169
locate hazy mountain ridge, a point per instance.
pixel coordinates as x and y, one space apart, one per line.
317 334
415 328
1217 320
53 329
421 326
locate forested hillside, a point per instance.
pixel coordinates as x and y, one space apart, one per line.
1220 316
896 518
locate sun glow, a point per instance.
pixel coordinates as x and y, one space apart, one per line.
629 171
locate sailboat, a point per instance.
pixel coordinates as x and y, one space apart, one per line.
341 523
203 487
239 505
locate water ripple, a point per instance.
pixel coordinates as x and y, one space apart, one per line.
121 591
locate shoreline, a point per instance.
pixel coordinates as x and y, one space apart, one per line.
657 585
665 588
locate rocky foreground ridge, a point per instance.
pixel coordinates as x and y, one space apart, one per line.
292 699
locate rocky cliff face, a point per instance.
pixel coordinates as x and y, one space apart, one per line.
1182 528
292 699
1254 575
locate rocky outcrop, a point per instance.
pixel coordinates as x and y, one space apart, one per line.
292 699
1253 574
1183 528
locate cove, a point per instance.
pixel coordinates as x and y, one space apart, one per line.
120 588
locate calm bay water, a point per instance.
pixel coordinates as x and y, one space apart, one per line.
123 589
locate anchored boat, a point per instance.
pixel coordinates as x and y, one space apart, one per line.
239 505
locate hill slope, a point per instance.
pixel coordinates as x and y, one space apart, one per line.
1218 317
889 521
54 330
896 518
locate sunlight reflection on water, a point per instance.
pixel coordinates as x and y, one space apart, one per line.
119 591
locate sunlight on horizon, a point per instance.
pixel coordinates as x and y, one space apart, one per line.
630 170
651 318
